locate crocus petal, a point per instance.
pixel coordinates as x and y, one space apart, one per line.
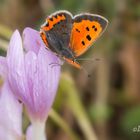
15 61
3 67
33 77
43 82
48 76
10 115
31 71
32 40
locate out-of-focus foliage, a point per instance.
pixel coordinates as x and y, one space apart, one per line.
131 126
106 105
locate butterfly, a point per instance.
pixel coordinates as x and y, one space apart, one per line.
70 36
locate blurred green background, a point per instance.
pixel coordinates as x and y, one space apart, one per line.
105 106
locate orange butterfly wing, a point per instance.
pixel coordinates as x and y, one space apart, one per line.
86 29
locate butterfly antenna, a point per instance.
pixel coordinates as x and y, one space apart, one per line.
83 68
86 72
88 59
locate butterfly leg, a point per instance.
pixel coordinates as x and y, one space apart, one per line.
54 64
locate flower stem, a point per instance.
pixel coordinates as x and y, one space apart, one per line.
63 124
38 130
77 107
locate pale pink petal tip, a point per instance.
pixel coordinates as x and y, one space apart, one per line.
32 40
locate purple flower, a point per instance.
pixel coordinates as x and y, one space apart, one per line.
10 115
31 74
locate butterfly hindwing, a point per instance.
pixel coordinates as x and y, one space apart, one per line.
86 29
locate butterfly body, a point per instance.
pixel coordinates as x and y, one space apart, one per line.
68 36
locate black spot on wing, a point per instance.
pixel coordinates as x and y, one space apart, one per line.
51 19
77 30
87 28
55 16
95 29
83 42
88 37
47 24
60 15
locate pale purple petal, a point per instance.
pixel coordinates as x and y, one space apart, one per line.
43 80
34 76
3 67
10 115
32 40
48 75
31 71
15 60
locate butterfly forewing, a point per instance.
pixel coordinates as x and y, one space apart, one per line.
86 29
